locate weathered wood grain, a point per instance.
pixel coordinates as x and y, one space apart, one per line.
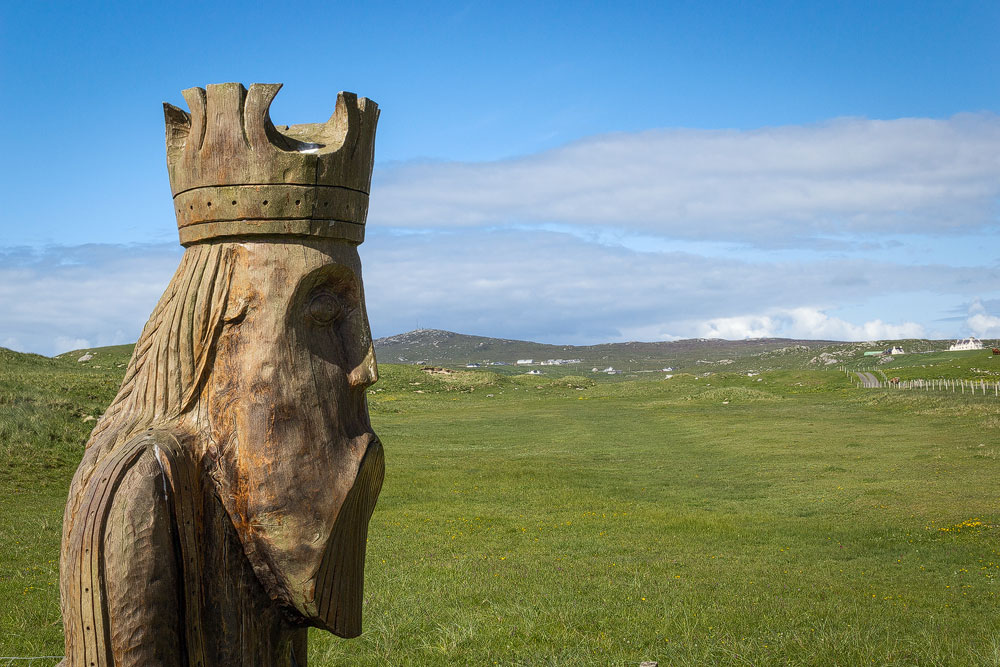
223 500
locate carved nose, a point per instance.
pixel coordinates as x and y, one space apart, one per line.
365 373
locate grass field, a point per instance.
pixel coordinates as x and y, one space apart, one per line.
568 521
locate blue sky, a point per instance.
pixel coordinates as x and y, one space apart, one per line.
562 172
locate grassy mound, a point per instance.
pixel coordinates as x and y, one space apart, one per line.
737 395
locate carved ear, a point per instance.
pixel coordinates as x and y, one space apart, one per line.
236 310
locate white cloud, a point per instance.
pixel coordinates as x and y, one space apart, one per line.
66 343
807 323
847 176
526 248
981 323
63 298
559 288
734 328
545 286
984 326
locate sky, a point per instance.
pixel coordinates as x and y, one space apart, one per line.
569 173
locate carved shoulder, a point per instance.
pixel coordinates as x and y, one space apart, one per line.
141 569
123 577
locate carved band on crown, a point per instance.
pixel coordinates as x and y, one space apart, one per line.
246 208
328 229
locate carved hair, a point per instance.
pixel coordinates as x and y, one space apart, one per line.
174 351
173 355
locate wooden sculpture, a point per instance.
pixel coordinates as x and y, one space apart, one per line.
223 500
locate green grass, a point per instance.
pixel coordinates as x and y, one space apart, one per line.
553 521
967 365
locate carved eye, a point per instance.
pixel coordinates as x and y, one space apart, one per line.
325 308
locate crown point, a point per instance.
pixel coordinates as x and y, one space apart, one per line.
260 131
195 97
224 106
176 117
178 123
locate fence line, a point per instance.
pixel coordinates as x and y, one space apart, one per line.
971 387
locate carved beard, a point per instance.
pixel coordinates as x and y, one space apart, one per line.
299 469
338 584
305 540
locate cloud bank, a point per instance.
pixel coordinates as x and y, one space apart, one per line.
806 322
66 298
526 248
545 286
982 323
563 289
766 186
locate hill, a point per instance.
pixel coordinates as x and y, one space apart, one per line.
433 346
693 355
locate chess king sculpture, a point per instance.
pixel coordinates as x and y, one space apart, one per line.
223 501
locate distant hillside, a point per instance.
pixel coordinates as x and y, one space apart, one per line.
436 347
694 355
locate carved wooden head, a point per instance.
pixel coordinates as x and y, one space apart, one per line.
258 356
296 461
297 464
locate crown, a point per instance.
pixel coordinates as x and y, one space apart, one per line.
233 173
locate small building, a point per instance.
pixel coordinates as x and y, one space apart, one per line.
970 343
525 362
473 365
893 351
534 372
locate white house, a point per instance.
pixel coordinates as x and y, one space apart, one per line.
524 362
970 343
